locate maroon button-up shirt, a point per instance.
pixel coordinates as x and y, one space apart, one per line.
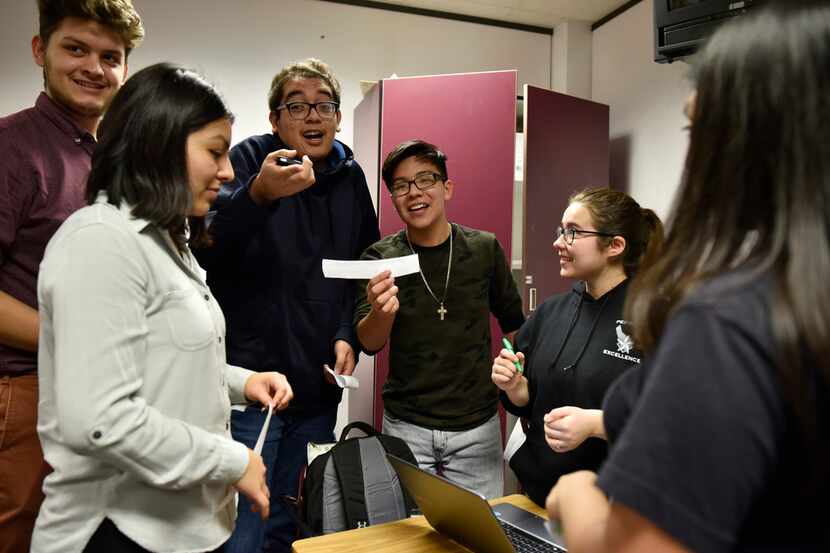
45 159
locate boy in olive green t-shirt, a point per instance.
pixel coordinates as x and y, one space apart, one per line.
438 395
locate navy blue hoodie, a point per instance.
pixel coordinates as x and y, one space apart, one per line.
265 269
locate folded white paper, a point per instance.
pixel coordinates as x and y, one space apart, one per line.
315 450
515 441
335 268
260 441
343 380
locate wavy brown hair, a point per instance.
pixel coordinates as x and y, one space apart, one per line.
310 68
118 15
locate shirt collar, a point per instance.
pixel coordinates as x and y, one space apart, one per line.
136 223
61 119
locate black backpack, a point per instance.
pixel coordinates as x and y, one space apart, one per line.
353 485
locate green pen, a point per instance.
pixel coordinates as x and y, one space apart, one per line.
509 347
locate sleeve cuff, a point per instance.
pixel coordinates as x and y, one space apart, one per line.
513 323
512 408
244 204
237 377
233 461
347 333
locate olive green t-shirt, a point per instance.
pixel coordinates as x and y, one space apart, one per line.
439 370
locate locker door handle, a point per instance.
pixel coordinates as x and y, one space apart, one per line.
531 303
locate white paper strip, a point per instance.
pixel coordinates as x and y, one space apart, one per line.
334 268
260 441
343 380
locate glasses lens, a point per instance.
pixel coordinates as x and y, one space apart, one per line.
399 188
297 110
326 109
567 233
425 181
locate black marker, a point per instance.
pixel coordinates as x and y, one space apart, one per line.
281 160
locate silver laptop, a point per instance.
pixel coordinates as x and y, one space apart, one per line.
467 518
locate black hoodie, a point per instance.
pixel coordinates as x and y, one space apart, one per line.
575 347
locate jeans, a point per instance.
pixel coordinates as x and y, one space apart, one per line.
284 455
22 467
470 458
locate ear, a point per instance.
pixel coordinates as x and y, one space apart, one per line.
448 188
616 247
274 117
39 50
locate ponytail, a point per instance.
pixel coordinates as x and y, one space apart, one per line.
650 235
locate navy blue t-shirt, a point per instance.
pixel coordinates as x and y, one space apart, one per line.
703 443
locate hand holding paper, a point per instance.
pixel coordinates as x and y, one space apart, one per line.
343 380
364 270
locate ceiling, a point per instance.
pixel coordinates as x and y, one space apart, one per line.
543 13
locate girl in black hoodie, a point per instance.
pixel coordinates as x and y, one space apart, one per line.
576 344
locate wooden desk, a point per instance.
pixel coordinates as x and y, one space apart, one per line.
411 535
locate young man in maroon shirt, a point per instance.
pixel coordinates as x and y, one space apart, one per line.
46 152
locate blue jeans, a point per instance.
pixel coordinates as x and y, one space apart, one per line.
470 458
284 455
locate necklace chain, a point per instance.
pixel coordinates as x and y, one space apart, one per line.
441 311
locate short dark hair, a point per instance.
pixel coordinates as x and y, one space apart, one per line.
420 150
141 157
310 68
118 15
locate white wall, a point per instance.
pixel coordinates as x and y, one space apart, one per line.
240 45
572 46
648 145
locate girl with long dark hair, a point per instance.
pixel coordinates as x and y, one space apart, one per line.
721 442
135 391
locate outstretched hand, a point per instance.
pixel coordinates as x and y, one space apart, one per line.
271 388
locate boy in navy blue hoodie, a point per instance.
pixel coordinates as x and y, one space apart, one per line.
272 226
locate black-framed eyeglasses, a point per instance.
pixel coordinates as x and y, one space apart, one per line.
300 110
570 234
422 181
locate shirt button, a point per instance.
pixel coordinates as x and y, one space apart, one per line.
207 297
77 141
227 425
97 434
220 339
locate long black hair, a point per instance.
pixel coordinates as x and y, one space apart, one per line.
141 157
755 194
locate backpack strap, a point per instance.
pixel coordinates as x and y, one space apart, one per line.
370 489
347 464
366 428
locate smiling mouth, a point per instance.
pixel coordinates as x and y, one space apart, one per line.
313 135
89 85
417 207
